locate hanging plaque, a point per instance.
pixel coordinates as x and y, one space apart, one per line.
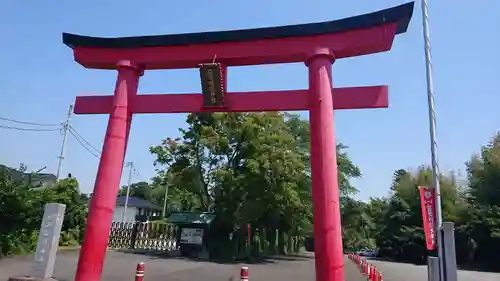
211 84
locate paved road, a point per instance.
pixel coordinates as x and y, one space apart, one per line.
121 266
410 272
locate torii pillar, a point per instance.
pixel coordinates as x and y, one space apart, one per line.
317 45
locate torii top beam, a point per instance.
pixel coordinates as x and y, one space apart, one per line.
353 36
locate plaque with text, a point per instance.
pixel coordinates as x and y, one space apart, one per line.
212 87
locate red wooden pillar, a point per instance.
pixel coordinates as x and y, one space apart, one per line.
326 209
103 201
131 93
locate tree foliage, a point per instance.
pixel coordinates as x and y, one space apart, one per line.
395 222
140 190
246 168
22 206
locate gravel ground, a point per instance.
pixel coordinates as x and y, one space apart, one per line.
121 266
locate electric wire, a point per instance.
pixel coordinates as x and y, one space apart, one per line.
29 123
79 138
29 129
83 142
71 129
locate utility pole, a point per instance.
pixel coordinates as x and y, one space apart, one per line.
432 135
131 168
165 201
63 145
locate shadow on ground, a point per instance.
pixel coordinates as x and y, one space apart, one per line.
154 254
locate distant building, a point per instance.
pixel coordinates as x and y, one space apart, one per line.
137 210
40 180
43 180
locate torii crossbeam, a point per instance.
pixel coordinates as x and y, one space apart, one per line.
343 98
318 45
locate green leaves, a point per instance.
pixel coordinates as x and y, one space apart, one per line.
395 222
139 189
479 217
21 211
247 167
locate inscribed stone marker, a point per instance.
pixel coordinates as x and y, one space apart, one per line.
48 240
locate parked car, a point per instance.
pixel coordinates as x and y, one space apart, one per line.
367 253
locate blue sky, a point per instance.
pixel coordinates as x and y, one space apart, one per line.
40 79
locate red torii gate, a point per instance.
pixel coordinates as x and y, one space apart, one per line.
317 45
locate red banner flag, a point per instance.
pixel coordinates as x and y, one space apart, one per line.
427 196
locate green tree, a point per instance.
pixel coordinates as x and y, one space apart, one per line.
401 236
356 225
66 192
21 210
247 168
17 213
139 189
479 221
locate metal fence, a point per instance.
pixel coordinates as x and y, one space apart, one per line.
143 235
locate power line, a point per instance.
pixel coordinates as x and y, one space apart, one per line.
83 144
29 129
83 139
63 128
28 123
